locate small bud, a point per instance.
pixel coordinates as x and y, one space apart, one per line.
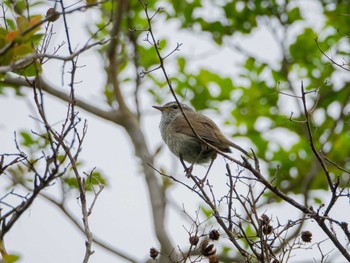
153 253
52 15
207 249
213 259
194 240
306 236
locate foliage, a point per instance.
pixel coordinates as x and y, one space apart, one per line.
19 37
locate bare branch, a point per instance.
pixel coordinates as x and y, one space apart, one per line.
342 66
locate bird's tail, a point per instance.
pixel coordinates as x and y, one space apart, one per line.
239 148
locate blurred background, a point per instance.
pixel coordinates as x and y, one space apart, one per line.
242 63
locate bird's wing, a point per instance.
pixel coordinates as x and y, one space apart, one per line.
204 126
207 130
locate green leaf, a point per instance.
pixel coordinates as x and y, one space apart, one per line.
226 250
22 23
162 44
35 39
304 49
318 200
71 182
109 94
20 6
11 24
3 33
27 139
294 15
207 212
148 56
249 63
95 179
91 181
22 50
34 69
181 62
10 258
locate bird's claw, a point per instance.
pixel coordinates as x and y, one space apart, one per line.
188 171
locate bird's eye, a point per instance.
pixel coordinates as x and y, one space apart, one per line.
175 107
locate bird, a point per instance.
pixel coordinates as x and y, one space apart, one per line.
183 142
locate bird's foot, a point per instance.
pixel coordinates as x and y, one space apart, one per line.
188 171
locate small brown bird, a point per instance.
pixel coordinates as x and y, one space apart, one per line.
181 140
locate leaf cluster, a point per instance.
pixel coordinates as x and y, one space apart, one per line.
19 37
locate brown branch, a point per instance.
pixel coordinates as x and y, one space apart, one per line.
30 58
342 66
230 195
129 121
205 197
43 21
136 60
113 70
333 187
339 167
113 116
67 127
311 140
132 127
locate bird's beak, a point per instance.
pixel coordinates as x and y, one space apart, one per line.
160 108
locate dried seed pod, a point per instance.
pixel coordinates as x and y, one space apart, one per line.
194 240
207 249
267 229
264 219
214 259
214 234
153 252
306 236
52 15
